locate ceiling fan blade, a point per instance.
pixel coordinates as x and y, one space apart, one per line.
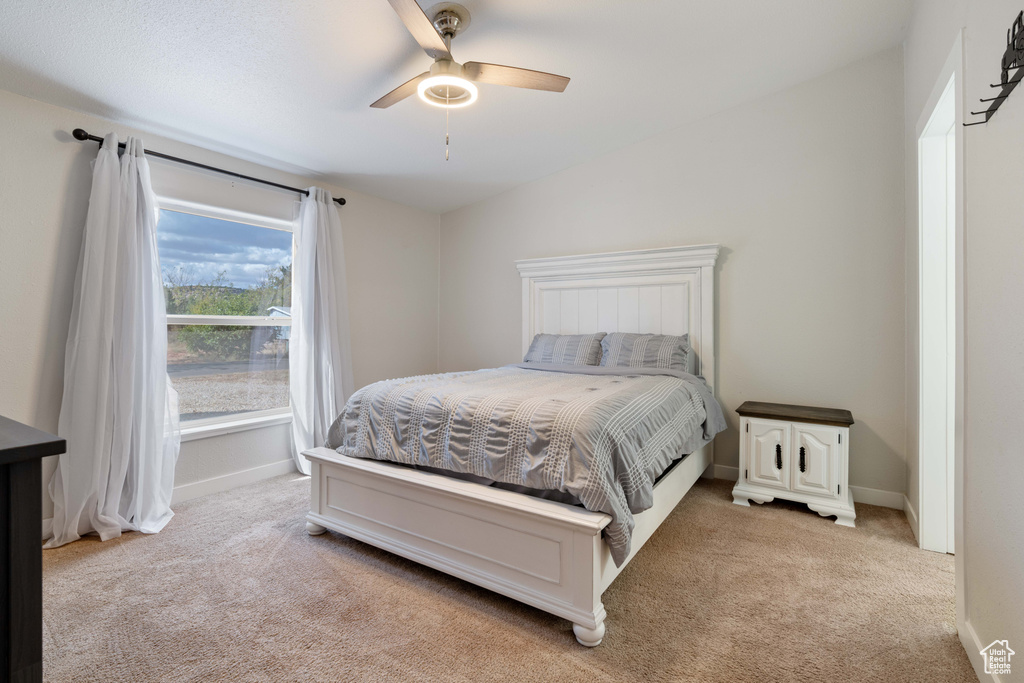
513 76
400 93
421 28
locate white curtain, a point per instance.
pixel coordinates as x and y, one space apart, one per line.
320 365
119 413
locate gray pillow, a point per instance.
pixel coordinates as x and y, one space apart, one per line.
623 349
565 349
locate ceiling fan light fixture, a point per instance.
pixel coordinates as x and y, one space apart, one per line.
446 84
448 91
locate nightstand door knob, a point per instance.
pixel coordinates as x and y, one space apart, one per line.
803 466
778 456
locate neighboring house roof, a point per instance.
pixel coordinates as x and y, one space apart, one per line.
280 311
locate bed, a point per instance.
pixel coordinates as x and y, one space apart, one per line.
545 553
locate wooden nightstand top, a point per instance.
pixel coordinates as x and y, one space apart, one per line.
20 442
782 411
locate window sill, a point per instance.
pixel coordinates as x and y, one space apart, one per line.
240 424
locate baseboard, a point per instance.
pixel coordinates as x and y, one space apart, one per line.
230 481
911 517
972 645
861 494
214 485
885 499
727 473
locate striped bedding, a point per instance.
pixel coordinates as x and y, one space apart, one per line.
645 350
601 434
565 349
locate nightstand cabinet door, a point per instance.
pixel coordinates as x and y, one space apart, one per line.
815 465
768 449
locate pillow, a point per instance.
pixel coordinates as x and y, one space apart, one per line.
623 349
565 349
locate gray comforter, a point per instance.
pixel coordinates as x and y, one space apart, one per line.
602 434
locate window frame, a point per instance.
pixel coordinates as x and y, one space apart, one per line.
254 419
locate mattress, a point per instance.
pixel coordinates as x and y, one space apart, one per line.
600 435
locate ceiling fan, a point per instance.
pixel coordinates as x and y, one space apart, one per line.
450 84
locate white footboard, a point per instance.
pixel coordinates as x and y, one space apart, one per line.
545 554
539 552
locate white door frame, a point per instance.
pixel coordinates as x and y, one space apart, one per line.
936 317
934 516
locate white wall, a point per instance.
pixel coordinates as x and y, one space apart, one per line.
993 548
391 255
803 189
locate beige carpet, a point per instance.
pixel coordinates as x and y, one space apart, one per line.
234 589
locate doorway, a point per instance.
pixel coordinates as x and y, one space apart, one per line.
937 291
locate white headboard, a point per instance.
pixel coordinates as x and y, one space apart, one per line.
660 291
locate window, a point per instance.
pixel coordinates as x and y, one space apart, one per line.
227 284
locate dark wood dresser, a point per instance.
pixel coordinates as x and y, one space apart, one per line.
21 556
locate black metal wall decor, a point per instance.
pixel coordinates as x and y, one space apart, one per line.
1013 60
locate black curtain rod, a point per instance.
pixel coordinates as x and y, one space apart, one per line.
83 136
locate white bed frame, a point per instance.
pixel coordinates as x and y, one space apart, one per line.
546 554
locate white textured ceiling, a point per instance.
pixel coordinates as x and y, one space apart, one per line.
288 83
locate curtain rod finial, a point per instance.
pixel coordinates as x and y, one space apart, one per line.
80 134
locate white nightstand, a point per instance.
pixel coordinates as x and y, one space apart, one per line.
797 453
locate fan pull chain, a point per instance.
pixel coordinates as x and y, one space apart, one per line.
446 112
